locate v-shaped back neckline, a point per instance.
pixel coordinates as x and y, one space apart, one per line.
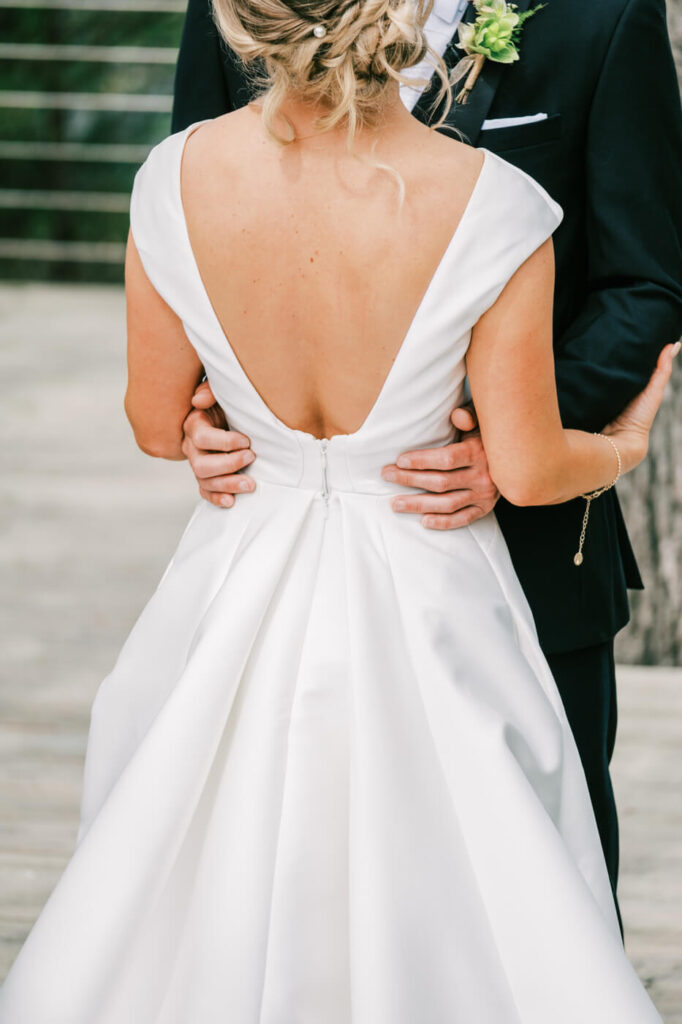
400 354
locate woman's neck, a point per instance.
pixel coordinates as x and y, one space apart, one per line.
302 117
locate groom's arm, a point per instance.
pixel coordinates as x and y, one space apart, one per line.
200 86
634 219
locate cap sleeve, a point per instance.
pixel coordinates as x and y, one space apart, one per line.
159 230
153 221
519 216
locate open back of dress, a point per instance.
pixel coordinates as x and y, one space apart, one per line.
330 779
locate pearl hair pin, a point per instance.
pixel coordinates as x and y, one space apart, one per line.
319 31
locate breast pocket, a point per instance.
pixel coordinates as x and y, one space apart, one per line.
522 136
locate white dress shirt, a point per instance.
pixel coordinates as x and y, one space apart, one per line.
440 27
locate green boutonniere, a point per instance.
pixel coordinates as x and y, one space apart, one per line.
494 35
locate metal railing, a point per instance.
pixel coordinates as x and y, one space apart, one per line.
122 101
18 199
144 6
98 54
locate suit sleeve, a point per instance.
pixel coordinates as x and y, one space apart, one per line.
200 86
634 217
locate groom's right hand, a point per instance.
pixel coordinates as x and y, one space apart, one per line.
216 453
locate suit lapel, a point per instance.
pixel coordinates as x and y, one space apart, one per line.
466 117
450 56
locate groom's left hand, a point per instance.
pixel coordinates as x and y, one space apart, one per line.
456 474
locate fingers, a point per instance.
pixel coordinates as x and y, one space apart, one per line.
655 391
664 365
203 397
217 417
447 457
204 400
464 419
220 500
206 465
437 475
661 375
237 483
218 474
455 521
437 483
446 511
641 412
216 457
458 496
221 490
425 503
200 430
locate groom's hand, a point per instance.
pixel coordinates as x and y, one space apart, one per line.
456 474
215 453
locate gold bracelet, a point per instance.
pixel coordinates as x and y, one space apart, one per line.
578 557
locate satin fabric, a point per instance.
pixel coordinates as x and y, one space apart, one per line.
330 778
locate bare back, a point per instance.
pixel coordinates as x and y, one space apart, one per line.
313 275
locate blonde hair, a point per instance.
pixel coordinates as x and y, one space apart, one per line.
367 44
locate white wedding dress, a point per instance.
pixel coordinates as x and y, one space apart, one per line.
330 779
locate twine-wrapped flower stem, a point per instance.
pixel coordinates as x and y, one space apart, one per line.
494 35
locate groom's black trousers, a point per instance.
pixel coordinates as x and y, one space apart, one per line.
587 683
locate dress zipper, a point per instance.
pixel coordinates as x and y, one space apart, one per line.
324 442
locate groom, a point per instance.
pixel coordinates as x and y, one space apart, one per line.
591 110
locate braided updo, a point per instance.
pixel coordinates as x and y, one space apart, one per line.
361 47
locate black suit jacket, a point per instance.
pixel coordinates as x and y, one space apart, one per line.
610 152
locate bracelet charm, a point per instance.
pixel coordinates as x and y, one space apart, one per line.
578 557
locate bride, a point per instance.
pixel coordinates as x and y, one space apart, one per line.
330 778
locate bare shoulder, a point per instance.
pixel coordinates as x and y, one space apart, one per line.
221 143
452 160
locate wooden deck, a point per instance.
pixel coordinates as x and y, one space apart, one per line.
86 526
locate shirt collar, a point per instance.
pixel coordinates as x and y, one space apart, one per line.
449 11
